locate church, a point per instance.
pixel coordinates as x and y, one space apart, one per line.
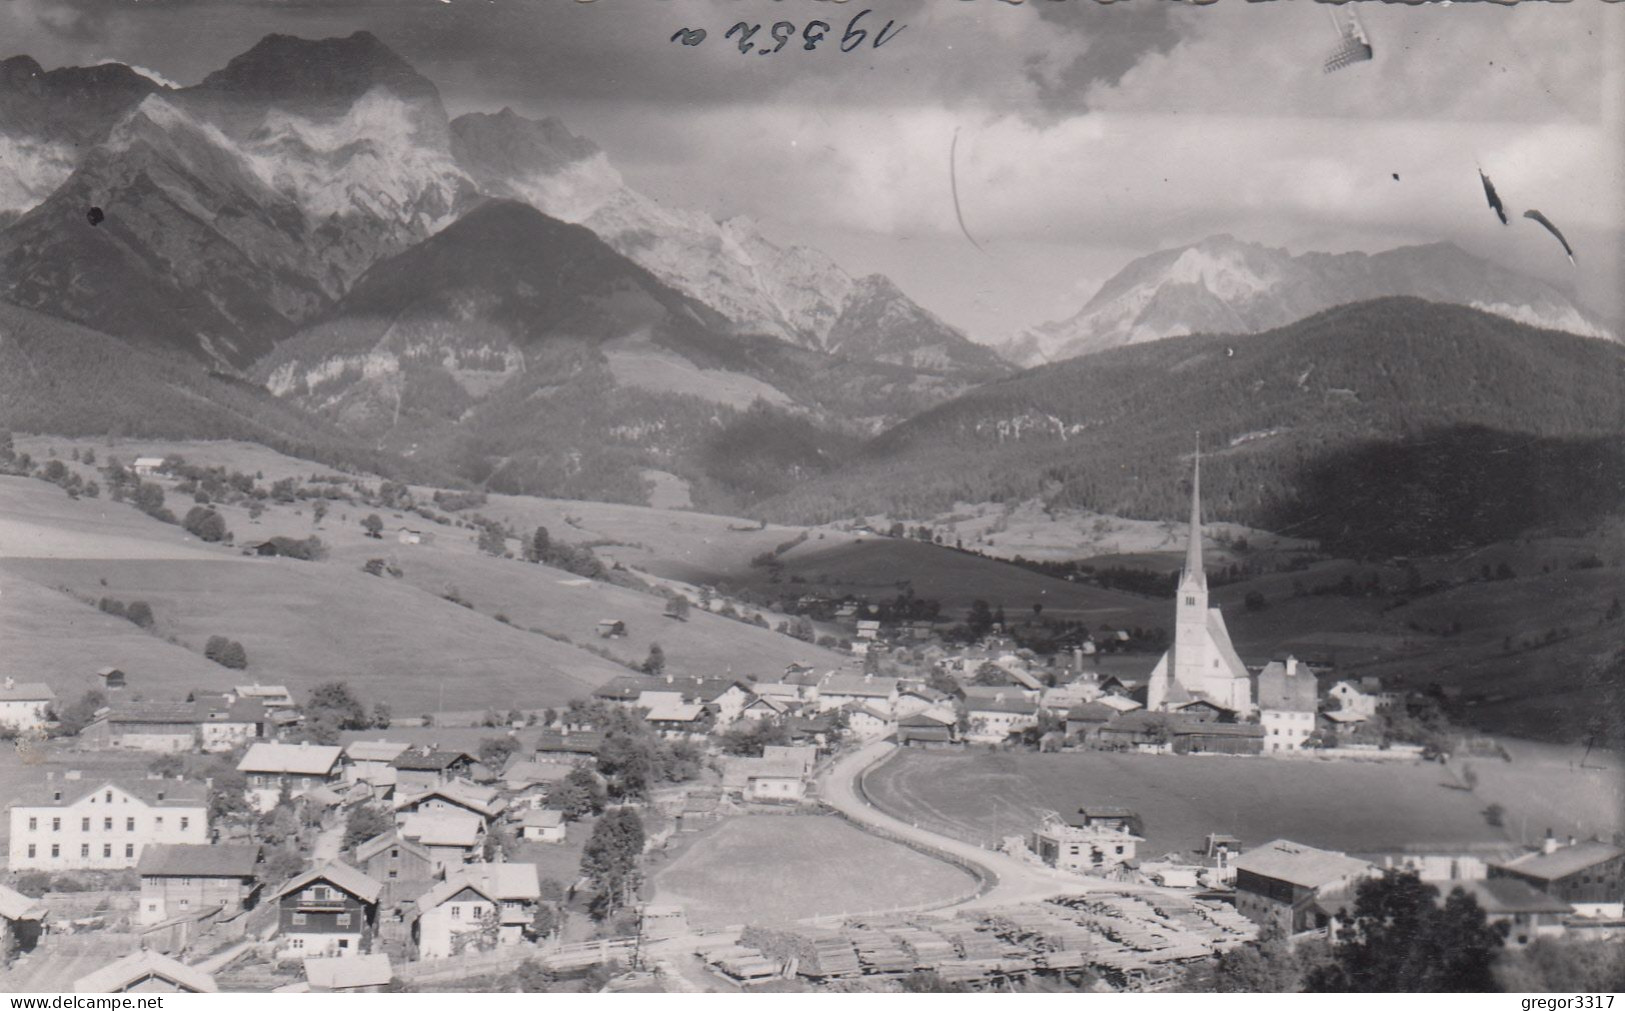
1202 663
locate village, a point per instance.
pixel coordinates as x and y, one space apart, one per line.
250 839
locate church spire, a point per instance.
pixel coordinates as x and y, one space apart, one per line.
1193 552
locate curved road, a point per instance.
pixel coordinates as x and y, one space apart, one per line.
1015 881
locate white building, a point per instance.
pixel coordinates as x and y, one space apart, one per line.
486 906
1203 663
1350 698
271 766
1286 704
1079 843
25 705
147 466
103 824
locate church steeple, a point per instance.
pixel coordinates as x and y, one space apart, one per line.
1194 575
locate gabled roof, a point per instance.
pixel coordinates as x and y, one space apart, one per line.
291 759
522 772
1503 896
143 965
1343 716
150 712
428 760
444 828
1298 864
663 709
858 685
374 751
1092 712
26 691
1565 861
924 720
542 818
504 882
221 708
14 905
341 876
198 861
1014 702
1216 729
348 973
461 792
577 742
384 840
1278 690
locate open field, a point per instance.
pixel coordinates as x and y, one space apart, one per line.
774 868
1358 807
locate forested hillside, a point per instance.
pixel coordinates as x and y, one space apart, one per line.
1114 432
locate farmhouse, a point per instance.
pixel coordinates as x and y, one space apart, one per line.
1083 722
1528 912
726 697
1350 698
103 824
143 726
476 907
1078 843
405 868
837 690
225 722
542 826
765 707
22 921
1589 875
1283 884
372 762
451 839
424 768
269 696
867 721
456 797
765 779
1217 738
1286 705
868 629
995 717
570 747
671 717
178 880
145 972
273 767
25 705
1202 662
925 730
327 912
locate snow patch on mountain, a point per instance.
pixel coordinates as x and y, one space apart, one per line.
33 168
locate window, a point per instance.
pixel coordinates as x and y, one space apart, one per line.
299 919
56 851
393 874
158 823
457 912
110 796
107 851
129 849
84 849
297 942
185 824
30 851
107 824
343 944
129 824
186 903
1190 601
84 824
321 893
33 824
394 854
56 824
342 920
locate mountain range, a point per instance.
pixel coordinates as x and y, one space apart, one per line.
1224 285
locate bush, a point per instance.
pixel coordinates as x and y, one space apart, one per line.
140 613
205 524
226 652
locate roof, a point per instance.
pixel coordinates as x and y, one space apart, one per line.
201 861
925 720
858 685
738 772
153 792
461 792
579 742
1565 861
503 882
542 818
1012 703
150 712
1217 729
776 689
14 905
1343 716
1298 864
370 848
522 773
428 760
1296 693
259 691
444 828
1502 896
1092 712
298 759
374 751
215 707
664 709
26 691
348 973
140 965
341 876
1119 703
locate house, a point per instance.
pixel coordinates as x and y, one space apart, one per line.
456 797
1287 700
1069 696
994 718
834 691
1120 703
476 907
529 781
103 824
178 880
372 761
611 628
25 705
360 974
407 535
269 696
405 868
1350 698
147 466
1083 722
273 767
671 717
451 839
542 826
726 697
143 726
1075 843
918 700
418 769
328 912
1590 876
1135 729
145 972
802 755
866 721
766 707
225 721
624 690
765 779
22 921
1216 738
1341 723
1528 912
868 629
1116 819
1284 884
1203 711
570 747
927 730
111 678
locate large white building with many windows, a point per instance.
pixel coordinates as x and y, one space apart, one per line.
103 824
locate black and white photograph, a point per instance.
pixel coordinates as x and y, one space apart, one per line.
898 497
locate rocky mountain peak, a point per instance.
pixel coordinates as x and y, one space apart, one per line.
289 68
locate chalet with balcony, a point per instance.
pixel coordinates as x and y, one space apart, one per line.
328 912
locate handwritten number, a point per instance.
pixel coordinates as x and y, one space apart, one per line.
746 32
689 36
814 34
881 38
784 36
854 35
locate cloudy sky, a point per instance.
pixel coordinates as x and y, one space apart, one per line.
1089 133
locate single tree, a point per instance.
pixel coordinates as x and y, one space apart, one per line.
578 795
610 860
495 752
363 823
677 607
140 612
373 525
655 663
